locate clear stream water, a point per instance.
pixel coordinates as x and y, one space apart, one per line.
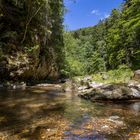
47 113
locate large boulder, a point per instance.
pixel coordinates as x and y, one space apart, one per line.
112 92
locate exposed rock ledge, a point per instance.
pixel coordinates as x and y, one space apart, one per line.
114 92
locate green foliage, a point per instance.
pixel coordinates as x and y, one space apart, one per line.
72 65
121 75
33 27
94 63
112 42
32 49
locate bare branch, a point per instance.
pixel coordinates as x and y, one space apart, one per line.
28 22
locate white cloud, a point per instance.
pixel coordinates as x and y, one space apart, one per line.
95 12
101 15
106 15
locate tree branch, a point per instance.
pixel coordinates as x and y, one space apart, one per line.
28 22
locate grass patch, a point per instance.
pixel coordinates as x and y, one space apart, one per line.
114 76
120 75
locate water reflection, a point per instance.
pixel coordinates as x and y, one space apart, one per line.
48 113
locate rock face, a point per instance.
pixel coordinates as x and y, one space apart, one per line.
112 92
137 75
21 66
12 67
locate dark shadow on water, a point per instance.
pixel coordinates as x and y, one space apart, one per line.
19 109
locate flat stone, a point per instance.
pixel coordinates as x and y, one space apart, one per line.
114 117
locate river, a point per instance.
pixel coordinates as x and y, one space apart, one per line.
47 113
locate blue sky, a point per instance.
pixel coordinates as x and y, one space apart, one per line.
84 13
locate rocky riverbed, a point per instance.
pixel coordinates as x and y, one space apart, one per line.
45 112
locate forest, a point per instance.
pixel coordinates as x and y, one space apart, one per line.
35 46
112 44
59 84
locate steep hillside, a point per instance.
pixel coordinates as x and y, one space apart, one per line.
114 42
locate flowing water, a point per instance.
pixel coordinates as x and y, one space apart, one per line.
47 113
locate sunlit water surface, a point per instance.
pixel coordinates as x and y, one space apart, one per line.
47 113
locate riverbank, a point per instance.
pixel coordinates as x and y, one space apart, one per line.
24 84
125 90
126 87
